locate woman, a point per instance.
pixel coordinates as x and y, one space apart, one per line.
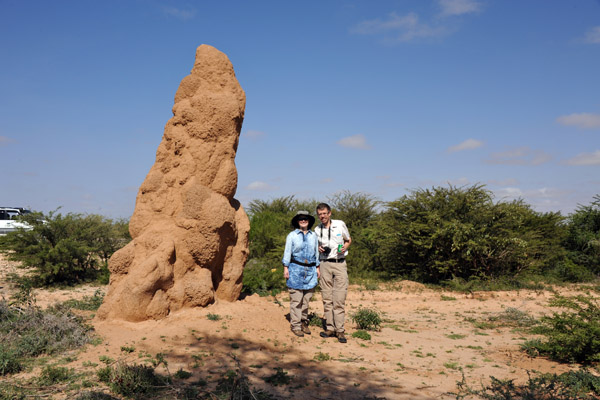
301 269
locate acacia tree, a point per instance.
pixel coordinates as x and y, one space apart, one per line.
436 234
65 248
583 239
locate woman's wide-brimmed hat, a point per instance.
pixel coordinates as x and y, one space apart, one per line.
302 213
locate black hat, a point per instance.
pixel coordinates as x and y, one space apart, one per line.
311 219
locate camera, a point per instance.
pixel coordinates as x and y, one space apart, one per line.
326 249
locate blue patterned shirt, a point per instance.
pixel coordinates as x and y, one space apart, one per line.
305 249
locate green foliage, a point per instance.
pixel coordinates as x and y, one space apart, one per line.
453 235
88 303
320 356
269 226
435 235
234 385
367 319
10 362
29 332
94 396
131 380
572 335
52 374
213 317
315 320
263 279
567 386
9 391
360 334
357 210
65 248
583 238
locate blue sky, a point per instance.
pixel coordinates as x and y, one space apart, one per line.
381 97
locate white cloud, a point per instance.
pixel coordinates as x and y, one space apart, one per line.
469 144
592 35
354 142
254 135
585 159
179 13
4 141
582 120
458 7
519 156
260 186
403 28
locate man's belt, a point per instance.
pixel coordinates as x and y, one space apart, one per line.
303 264
335 260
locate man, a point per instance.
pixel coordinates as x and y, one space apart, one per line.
334 240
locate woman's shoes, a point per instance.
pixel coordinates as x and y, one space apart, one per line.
305 328
298 332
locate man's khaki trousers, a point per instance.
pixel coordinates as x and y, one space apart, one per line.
334 287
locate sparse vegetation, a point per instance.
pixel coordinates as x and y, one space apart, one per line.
89 303
361 334
28 331
572 335
581 385
320 356
367 319
131 380
213 317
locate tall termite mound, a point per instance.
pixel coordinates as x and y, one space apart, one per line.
190 236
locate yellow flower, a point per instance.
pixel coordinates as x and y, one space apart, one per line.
274 269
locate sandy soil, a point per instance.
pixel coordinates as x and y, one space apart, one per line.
427 342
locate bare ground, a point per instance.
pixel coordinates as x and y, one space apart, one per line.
429 339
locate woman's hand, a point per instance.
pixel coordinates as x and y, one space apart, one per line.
286 273
318 272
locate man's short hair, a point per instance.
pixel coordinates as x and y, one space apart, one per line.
323 206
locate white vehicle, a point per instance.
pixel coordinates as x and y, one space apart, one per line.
8 222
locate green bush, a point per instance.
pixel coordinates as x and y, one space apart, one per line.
131 380
570 385
65 248
88 303
235 385
262 278
583 238
29 332
367 319
52 374
439 234
572 335
9 360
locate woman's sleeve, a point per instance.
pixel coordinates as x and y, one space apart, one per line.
287 253
317 250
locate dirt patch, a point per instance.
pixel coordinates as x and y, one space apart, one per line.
428 341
